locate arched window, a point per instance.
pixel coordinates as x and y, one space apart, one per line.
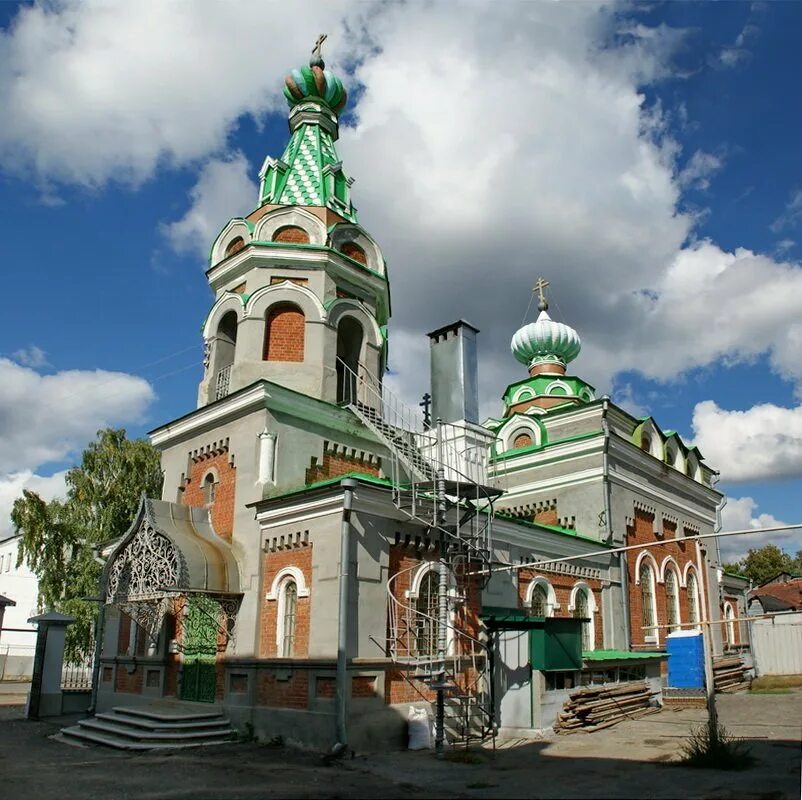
285 330
349 348
729 627
354 251
582 610
540 601
647 598
234 246
693 599
672 600
426 627
225 345
291 234
288 613
522 440
646 442
209 488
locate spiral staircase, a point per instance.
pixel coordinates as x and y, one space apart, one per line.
438 480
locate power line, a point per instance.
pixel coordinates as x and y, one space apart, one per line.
625 548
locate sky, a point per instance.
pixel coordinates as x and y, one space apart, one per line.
644 158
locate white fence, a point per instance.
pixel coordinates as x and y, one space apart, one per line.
777 645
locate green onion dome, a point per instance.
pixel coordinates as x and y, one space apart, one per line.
315 83
545 342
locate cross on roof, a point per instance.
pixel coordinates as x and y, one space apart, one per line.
540 285
318 44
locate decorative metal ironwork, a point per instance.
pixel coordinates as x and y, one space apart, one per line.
149 562
223 385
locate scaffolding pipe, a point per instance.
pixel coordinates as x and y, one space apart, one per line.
442 600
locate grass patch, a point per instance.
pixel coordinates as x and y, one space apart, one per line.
718 751
464 757
777 682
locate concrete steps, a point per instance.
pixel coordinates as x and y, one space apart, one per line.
151 729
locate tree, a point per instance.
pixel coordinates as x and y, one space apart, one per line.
763 563
57 538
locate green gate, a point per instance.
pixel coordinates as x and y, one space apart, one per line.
199 679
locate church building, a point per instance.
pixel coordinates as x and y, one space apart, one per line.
314 533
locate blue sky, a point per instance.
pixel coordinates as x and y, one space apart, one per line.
637 140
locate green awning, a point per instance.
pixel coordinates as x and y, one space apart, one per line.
619 655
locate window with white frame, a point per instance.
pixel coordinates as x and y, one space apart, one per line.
693 599
729 627
583 609
541 598
288 615
649 616
672 600
426 624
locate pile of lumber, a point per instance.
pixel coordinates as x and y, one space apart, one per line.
596 707
729 674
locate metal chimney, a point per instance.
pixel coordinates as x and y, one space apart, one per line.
455 390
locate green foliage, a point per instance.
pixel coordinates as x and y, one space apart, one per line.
763 563
714 748
103 494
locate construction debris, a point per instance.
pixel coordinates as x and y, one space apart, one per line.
593 708
730 674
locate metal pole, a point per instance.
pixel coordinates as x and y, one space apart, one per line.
442 600
712 714
349 484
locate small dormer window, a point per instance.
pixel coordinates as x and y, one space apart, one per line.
355 252
646 442
522 440
234 246
291 234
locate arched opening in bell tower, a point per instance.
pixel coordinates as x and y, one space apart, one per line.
349 348
225 346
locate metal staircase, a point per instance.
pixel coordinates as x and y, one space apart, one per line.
439 480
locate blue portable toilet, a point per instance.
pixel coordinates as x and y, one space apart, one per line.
686 663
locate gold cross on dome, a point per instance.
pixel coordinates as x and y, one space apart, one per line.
319 43
540 285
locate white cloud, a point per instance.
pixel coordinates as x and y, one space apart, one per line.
11 486
700 168
94 90
46 418
741 513
761 443
224 189
32 356
791 214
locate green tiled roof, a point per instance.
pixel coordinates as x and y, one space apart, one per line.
619 655
300 177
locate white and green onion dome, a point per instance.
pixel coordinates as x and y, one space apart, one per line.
315 83
545 342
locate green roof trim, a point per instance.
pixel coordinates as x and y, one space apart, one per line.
538 384
361 476
736 575
570 532
545 446
619 655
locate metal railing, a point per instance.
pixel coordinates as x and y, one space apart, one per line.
78 674
222 384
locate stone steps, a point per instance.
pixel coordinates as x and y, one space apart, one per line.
151 729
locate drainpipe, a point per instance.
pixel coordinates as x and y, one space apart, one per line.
608 519
341 699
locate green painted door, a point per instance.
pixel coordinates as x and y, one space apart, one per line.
199 680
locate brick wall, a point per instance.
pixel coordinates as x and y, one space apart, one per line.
562 585
291 234
193 490
683 551
131 683
284 334
338 461
300 557
522 440
354 251
283 690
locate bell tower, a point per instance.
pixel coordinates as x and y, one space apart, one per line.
300 288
